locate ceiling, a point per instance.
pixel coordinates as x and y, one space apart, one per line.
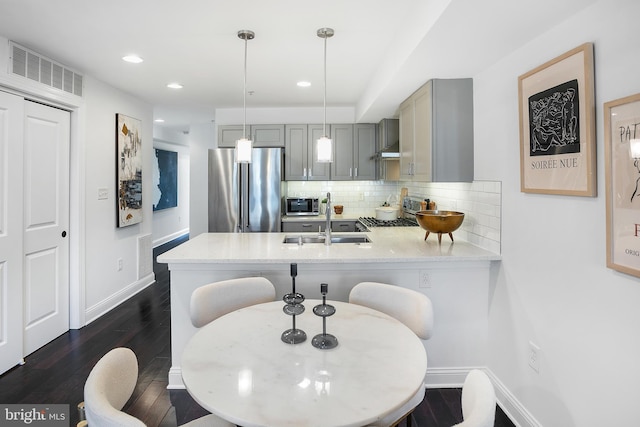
382 50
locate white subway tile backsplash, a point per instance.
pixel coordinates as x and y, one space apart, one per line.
481 201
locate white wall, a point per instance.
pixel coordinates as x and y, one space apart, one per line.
171 223
553 286
105 286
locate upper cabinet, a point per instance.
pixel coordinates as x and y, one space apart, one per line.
355 149
299 158
261 135
353 159
436 132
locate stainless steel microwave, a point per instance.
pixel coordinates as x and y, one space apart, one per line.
302 206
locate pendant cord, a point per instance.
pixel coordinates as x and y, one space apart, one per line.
324 125
244 93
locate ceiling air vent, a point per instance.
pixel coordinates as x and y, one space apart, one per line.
33 66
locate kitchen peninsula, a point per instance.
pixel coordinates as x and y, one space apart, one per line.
455 275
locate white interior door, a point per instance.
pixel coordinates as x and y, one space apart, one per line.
11 249
46 224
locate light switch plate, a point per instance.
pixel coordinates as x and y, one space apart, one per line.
103 193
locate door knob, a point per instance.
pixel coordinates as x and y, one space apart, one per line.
64 234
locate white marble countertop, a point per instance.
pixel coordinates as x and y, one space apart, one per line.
388 245
238 368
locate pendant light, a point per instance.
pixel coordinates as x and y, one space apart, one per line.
324 145
244 145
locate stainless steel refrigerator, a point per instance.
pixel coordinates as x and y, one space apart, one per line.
245 197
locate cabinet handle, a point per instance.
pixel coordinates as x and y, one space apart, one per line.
356 172
306 225
304 172
350 172
310 173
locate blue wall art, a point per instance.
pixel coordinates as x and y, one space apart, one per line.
165 180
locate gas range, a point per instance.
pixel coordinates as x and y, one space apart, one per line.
410 205
399 222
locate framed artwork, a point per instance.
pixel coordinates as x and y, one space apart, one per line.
129 170
165 180
622 174
557 126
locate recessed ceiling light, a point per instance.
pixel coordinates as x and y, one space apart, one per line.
134 59
174 86
159 120
304 84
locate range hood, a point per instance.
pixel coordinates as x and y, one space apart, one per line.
390 153
389 134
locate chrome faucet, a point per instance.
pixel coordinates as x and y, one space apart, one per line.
327 228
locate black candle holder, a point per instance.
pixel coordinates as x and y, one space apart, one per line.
293 307
324 341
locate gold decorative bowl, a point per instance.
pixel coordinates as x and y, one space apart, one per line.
439 222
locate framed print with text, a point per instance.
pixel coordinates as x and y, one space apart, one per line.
622 174
557 126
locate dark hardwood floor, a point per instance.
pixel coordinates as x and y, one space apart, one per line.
56 373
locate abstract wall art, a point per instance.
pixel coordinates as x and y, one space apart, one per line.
129 170
165 180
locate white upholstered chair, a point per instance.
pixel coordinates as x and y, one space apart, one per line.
478 401
411 308
216 299
110 385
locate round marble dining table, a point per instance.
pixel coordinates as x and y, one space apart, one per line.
238 368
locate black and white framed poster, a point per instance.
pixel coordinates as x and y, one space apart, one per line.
557 126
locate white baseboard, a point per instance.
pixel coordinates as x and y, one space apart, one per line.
511 406
170 237
175 379
94 312
446 377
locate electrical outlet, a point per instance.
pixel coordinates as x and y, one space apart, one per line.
120 264
534 357
424 279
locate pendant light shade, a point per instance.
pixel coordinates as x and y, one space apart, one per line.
244 146
324 145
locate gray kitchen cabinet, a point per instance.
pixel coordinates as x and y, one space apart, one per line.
364 138
355 149
318 224
299 155
436 132
344 226
303 226
262 135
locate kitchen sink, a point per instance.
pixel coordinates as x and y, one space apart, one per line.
336 238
